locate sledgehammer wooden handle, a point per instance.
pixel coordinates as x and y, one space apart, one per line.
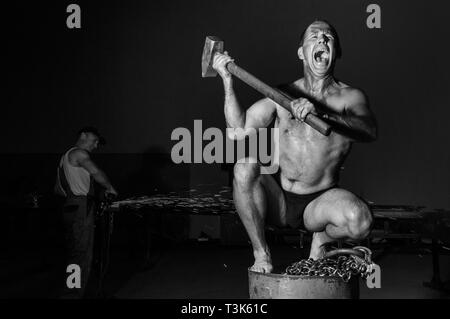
269 92
214 45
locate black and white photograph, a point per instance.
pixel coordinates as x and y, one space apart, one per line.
221 154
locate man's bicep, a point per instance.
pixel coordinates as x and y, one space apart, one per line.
358 105
364 119
260 114
86 162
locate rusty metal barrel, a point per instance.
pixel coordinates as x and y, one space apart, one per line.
281 286
285 286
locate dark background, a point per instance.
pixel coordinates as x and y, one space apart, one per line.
133 70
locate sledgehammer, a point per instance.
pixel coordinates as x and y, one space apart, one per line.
214 44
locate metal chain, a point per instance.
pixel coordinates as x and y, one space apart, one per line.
343 266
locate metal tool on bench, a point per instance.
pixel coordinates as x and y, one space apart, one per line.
105 203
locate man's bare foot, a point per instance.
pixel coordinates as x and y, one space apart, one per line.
317 252
317 245
263 267
263 263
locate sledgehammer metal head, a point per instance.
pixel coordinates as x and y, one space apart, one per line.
212 45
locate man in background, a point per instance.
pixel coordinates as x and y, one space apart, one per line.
76 174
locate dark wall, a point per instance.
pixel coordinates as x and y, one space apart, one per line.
134 71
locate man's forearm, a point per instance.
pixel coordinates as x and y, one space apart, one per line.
101 178
234 115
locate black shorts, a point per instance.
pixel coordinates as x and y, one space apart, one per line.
296 204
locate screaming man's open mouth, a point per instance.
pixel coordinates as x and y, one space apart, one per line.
321 57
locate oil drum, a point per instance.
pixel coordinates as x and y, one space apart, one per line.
280 286
284 286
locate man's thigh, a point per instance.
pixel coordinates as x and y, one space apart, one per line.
336 206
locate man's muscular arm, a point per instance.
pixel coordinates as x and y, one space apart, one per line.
257 116
83 159
356 117
355 120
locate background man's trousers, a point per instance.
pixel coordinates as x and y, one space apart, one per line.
79 223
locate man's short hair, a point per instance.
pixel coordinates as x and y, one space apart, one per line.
92 130
337 43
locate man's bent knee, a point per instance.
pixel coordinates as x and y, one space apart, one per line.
359 221
246 172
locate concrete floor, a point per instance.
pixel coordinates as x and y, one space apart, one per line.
202 270
210 272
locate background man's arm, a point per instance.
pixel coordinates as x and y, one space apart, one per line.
83 159
356 118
